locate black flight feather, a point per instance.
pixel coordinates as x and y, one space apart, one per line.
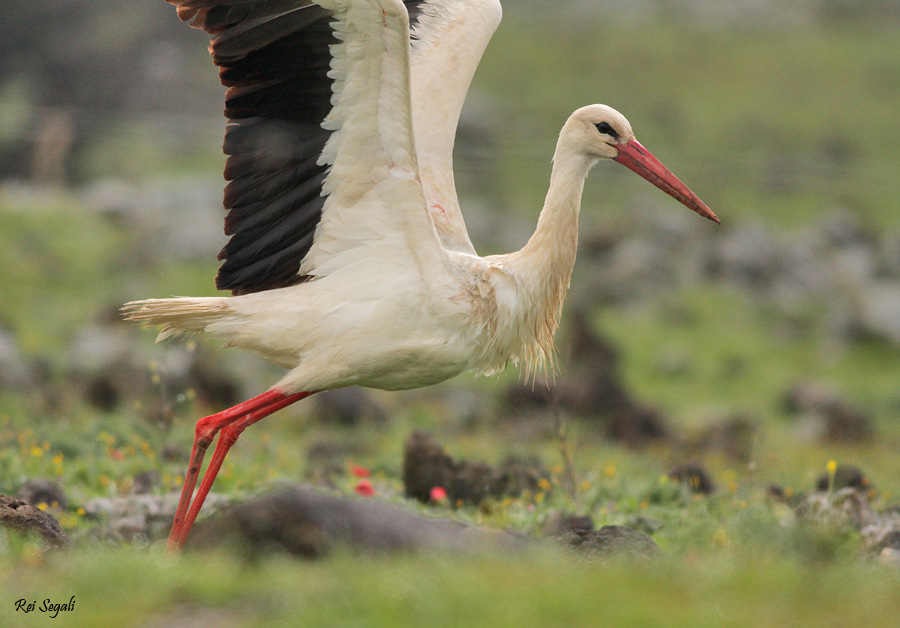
274 58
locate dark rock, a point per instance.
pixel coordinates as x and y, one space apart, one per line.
848 425
597 392
323 450
110 369
734 437
427 465
27 519
213 384
102 364
637 426
349 406
308 524
145 482
175 453
806 396
578 532
522 397
694 476
845 476
193 615
846 507
102 393
881 535
619 541
565 525
777 493
47 492
326 459
523 474
647 525
838 420
592 389
587 347
305 523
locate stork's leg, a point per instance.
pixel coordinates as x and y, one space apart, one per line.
227 437
206 429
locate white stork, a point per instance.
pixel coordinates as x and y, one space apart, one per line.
349 261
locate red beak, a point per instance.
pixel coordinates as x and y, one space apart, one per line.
637 158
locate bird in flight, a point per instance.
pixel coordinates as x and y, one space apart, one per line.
348 259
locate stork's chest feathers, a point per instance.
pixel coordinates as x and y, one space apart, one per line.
502 289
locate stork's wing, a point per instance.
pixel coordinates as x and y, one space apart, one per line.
285 62
449 37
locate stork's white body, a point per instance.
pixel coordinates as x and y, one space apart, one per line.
400 298
389 293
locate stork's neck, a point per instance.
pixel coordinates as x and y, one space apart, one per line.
543 267
550 252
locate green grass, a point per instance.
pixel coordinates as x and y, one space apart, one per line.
539 588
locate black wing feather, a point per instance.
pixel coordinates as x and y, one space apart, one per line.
274 58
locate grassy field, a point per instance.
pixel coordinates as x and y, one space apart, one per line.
771 124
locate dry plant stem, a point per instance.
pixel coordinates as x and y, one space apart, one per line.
560 433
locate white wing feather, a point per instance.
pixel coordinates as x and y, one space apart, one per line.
376 212
450 38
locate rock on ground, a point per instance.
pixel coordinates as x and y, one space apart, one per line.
306 523
17 515
427 465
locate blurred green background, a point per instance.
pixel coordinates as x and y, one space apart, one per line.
781 115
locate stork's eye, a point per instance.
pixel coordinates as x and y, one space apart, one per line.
604 127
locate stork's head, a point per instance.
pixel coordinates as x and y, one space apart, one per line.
599 132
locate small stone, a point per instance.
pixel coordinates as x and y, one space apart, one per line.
47 492
845 476
889 556
565 525
349 406
619 541
694 476
145 482
20 516
847 507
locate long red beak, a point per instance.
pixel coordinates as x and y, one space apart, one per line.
637 158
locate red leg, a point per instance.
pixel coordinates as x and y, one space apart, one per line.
207 427
227 437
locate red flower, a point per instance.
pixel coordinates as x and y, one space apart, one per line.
364 488
360 472
438 495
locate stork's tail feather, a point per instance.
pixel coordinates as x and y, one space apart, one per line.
180 315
